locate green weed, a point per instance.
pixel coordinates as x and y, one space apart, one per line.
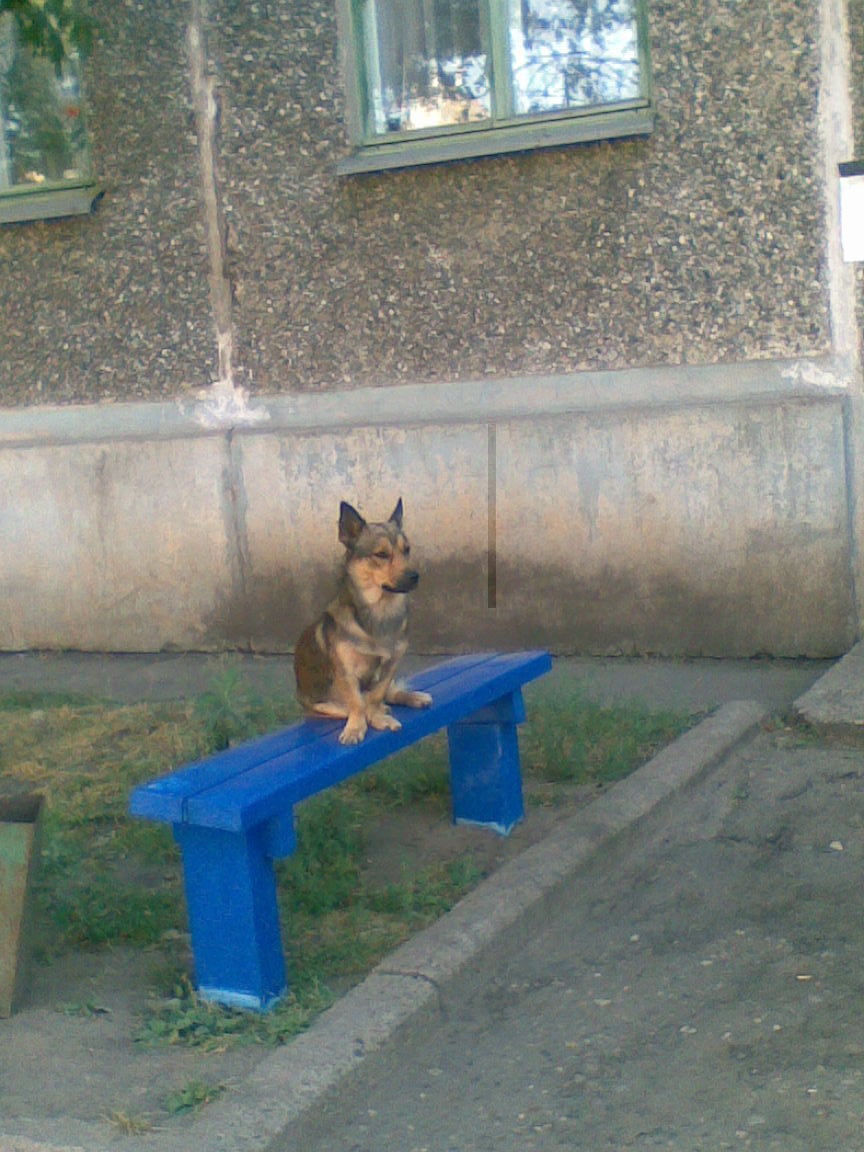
182 1017
194 1095
231 712
86 1009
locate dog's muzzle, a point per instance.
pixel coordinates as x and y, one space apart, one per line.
407 582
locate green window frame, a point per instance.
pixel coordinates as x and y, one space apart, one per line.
435 80
44 147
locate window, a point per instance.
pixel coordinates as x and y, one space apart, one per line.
433 80
44 156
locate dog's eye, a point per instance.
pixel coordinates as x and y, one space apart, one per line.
381 555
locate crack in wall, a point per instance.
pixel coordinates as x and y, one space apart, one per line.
237 534
224 403
206 109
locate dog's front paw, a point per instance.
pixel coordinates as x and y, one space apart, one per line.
354 731
406 698
418 699
383 721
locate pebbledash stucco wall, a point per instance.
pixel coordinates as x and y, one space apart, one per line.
701 243
616 386
613 519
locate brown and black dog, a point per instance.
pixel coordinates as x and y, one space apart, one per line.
345 662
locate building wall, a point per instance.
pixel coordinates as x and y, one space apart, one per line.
603 378
702 243
590 514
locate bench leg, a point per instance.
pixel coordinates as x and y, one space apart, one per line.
233 916
485 775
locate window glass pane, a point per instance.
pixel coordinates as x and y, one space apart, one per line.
571 53
42 132
425 64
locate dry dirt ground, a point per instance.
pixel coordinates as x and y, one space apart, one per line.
84 1009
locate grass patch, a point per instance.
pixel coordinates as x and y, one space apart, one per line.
420 773
107 880
574 742
128 1124
192 1096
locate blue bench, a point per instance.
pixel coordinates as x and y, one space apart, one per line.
233 813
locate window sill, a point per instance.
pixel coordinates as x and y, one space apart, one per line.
513 138
19 206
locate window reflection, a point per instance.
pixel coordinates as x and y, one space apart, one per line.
42 131
570 53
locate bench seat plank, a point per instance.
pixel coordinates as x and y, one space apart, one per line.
263 791
166 797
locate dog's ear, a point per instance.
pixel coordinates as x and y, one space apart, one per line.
396 515
351 524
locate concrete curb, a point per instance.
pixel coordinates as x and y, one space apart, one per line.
291 1080
834 706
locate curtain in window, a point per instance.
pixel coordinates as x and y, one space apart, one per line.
426 63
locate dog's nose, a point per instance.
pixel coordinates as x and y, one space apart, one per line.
407 582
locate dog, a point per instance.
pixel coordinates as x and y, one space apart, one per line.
346 661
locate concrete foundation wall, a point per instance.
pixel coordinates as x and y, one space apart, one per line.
684 510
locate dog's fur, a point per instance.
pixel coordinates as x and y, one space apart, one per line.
345 662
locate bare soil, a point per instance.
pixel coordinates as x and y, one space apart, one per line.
84 1009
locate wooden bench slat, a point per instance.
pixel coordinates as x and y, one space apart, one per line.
166 798
265 790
